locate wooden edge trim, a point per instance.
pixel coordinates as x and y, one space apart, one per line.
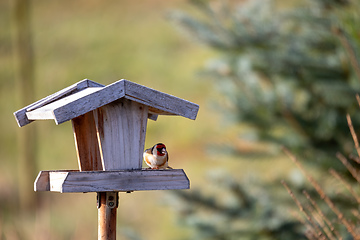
20 115
42 182
159 100
97 99
110 181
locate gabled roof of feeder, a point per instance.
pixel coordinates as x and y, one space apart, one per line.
87 95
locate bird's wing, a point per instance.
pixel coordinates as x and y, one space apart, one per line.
149 150
167 160
147 157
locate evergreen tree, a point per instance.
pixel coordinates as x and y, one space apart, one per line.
291 77
284 74
237 210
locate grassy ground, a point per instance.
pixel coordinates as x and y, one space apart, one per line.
104 42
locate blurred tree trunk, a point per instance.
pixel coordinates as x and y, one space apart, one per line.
25 88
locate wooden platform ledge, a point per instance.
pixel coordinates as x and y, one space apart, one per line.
104 181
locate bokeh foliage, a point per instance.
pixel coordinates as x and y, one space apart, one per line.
291 76
283 73
105 41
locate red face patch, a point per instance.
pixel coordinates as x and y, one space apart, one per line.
160 149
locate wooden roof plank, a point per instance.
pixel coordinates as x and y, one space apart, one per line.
89 102
47 111
86 83
170 104
87 95
21 116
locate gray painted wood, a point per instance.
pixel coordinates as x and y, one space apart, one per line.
119 181
20 115
66 107
121 128
166 103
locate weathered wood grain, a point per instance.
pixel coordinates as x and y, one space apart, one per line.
70 103
42 182
159 102
20 115
86 142
108 181
76 104
86 83
121 128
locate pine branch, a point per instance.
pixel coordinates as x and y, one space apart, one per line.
313 226
322 215
354 158
358 99
315 184
347 185
349 167
353 133
318 222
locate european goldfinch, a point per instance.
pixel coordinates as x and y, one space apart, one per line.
157 157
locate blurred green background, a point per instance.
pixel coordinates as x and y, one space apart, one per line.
105 42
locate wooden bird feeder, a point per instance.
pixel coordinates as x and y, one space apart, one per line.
109 125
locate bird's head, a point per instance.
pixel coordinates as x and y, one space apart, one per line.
160 149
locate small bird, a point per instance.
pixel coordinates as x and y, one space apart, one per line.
157 157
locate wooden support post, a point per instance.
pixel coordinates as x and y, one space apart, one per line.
86 142
107 207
